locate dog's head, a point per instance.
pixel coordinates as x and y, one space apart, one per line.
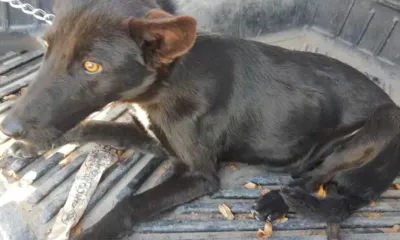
93 59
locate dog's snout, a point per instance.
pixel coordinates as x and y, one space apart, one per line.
12 127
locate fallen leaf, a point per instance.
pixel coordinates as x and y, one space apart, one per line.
9 97
120 153
251 215
126 154
372 204
374 215
13 175
321 192
226 211
397 186
233 167
22 90
266 233
77 230
282 219
250 185
68 159
265 191
396 228
261 234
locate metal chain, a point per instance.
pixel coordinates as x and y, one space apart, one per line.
30 10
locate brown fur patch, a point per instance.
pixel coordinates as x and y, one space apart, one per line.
157 14
166 37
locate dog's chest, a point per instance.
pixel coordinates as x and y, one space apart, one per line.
142 115
173 137
155 123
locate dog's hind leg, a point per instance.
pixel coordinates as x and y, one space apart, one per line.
324 148
272 206
361 177
363 147
366 147
345 157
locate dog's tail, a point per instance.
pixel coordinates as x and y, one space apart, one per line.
358 185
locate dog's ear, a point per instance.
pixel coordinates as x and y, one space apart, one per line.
162 36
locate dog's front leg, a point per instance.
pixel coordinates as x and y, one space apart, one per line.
176 190
118 135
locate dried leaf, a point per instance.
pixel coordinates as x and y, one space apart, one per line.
266 233
13 175
396 228
397 186
22 90
126 154
282 219
265 191
372 204
321 192
226 211
233 167
9 97
251 215
374 215
77 230
120 153
250 185
268 227
261 234
68 159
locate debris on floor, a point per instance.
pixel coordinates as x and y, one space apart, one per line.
226 211
82 190
266 232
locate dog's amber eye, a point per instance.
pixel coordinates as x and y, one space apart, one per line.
92 67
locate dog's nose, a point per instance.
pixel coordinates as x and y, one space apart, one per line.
12 127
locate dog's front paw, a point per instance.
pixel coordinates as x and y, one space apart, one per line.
116 224
22 150
270 207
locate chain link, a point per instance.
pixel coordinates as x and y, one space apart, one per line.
30 10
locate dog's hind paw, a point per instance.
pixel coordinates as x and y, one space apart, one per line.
309 183
270 207
301 202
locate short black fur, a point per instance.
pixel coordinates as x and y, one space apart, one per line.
208 100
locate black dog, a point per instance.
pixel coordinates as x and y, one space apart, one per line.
209 98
